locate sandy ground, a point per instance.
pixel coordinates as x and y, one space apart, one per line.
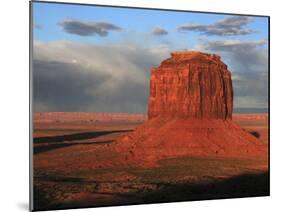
68 149
256 124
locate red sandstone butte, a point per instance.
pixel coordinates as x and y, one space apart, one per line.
190 112
191 84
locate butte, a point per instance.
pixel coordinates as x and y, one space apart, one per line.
189 114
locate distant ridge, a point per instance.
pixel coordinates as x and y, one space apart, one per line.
87 117
250 110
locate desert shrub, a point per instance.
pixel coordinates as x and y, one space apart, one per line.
256 134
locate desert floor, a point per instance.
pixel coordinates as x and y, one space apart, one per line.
68 150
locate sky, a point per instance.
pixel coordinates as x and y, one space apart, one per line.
93 58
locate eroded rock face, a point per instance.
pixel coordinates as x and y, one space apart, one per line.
191 84
190 111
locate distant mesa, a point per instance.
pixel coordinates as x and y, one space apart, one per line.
189 114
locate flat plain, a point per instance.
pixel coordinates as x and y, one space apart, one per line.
74 166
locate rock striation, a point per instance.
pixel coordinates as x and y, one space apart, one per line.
189 114
191 84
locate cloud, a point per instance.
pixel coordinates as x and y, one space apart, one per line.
230 26
38 26
70 76
58 86
248 62
234 45
249 55
88 28
158 31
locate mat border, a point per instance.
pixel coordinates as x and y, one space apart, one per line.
31 23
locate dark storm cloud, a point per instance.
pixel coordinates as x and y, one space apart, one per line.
75 77
249 83
248 62
70 76
250 88
158 31
88 28
230 26
61 86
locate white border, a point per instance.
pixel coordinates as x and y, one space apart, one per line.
14 87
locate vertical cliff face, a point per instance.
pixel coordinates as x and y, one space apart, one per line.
191 85
190 111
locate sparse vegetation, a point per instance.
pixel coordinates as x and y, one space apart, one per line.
255 133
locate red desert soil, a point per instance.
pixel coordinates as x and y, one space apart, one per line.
62 123
67 176
189 147
256 124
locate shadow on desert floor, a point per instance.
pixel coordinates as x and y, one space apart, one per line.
76 136
54 142
245 185
46 148
239 186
